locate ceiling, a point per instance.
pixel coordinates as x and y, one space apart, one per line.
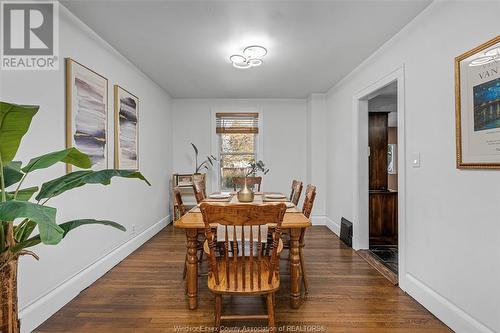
184 46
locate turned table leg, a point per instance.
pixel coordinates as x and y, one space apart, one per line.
295 282
192 268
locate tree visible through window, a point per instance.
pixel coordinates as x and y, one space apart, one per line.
237 151
237 140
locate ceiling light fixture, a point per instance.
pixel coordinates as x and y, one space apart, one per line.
252 57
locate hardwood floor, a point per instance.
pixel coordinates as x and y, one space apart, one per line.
145 293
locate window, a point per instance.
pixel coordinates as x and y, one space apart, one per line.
237 144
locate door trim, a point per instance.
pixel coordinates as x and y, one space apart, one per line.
360 165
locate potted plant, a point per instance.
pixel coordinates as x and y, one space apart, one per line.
246 194
20 215
204 164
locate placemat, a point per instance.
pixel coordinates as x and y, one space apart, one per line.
207 199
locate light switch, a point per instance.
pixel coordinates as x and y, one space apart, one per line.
415 160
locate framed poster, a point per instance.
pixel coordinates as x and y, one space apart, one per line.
126 129
477 106
87 113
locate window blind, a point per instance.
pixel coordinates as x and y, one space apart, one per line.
237 122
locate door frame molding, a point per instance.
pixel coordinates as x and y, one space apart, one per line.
360 165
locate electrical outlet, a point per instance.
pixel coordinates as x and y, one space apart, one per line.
133 229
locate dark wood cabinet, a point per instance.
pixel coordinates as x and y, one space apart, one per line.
377 140
383 228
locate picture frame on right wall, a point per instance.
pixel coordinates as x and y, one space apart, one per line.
477 107
126 129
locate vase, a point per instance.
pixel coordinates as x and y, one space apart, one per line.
8 298
245 194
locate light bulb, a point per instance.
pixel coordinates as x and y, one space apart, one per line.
254 62
254 52
241 65
237 58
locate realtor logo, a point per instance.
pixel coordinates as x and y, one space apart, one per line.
30 35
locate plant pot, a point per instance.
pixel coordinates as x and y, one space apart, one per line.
245 194
8 298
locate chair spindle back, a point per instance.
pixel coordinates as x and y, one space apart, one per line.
296 192
179 207
243 226
199 190
251 181
309 200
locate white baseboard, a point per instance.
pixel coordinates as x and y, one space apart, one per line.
332 225
37 312
456 318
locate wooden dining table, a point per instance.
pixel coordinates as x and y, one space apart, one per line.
192 222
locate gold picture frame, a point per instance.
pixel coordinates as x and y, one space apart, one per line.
466 106
72 66
134 106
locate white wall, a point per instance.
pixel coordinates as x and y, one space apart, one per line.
316 154
61 273
283 136
452 225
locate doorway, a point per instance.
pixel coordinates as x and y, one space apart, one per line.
378 178
382 181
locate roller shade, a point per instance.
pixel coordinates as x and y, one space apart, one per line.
237 122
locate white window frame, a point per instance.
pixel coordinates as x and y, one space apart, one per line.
215 140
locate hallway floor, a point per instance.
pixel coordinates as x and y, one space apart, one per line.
388 255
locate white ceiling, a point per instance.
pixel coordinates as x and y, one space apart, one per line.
184 45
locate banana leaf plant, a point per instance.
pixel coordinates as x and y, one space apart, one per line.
211 159
26 210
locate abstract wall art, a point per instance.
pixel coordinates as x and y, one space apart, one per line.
477 106
86 113
126 129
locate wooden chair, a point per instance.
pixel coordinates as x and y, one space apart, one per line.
179 208
251 181
306 210
199 190
296 191
236 272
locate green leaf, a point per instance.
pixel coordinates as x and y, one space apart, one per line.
12 173
62 184
104 176
23 232
67 227
195 148
43 216
79 178
71 155
14 123
23 194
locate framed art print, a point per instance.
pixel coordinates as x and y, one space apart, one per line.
87 113
126 129
477 106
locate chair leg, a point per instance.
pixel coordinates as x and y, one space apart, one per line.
303 269
270 312
218 312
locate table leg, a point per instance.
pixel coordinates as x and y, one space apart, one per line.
294 268
192 268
